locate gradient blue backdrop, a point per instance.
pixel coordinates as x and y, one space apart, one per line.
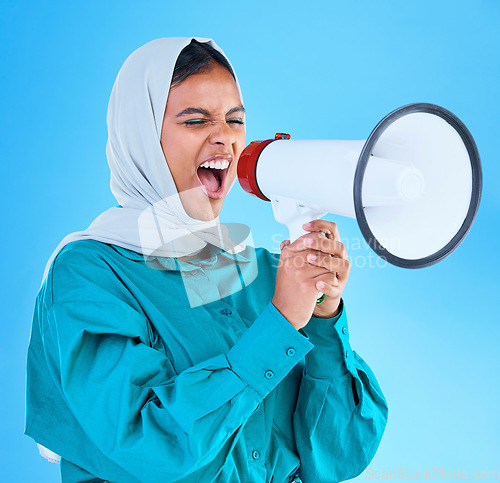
318 69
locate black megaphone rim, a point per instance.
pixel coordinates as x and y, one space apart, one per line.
475 195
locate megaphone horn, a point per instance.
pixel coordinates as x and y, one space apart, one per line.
414 185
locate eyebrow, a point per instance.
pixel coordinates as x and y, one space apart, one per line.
204 112
236 109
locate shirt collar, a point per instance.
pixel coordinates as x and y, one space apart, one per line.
209 256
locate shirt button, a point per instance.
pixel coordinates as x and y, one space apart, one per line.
255 454
290 352
226 312
269 374
344 330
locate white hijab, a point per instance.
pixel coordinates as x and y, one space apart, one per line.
151 216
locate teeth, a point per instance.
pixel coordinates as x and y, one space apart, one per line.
215 164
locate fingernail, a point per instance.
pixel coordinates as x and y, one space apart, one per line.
309 241
311 257
321 285
306 225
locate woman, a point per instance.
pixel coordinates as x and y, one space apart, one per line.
129 379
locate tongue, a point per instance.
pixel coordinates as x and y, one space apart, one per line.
208 178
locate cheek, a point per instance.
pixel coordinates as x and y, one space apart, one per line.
179 151
240 143
171 157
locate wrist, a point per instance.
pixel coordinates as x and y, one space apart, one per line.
297 324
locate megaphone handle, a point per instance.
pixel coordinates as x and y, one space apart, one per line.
293 214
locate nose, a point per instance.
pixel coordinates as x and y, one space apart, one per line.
222 134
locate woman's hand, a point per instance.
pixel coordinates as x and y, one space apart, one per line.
300 276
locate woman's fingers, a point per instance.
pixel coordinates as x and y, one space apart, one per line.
322 226
333 290
332 264
317 241
284 244
317 257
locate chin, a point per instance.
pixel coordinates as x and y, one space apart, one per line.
213 213
205 213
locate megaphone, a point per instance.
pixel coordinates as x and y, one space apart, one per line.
414 185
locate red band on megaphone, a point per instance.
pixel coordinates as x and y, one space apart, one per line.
247 168
247 165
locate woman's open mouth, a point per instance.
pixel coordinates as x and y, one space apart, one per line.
212 175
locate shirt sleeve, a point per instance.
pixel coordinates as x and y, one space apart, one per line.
131 405
341 412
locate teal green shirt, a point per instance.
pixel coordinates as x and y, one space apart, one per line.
129 382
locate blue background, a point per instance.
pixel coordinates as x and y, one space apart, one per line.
318 69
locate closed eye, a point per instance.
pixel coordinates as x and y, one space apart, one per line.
200 122
194 122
